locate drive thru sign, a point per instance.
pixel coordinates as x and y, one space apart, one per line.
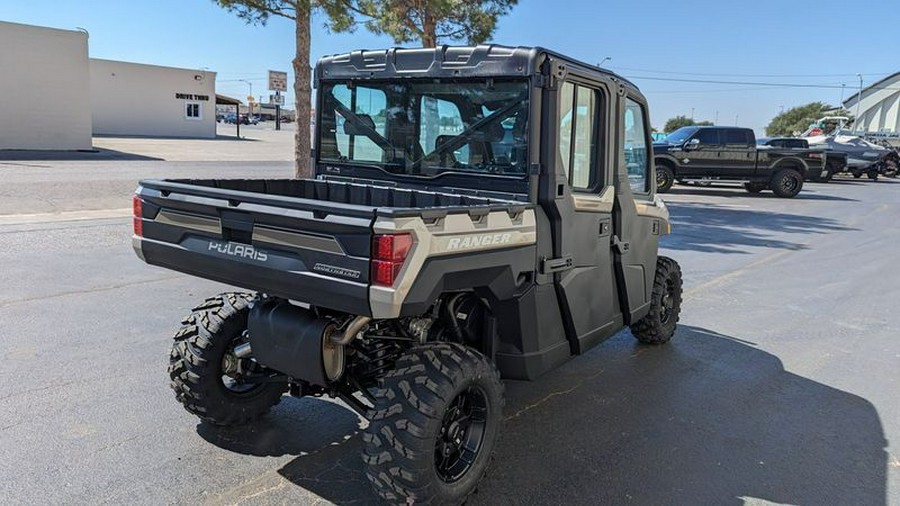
277 80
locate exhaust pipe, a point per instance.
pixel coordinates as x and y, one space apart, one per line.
352 330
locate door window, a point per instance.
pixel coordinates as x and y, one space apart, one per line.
708 136
636 159
578 133
370 105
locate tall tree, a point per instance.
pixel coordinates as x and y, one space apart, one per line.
258 12
427 21
797 119
682 121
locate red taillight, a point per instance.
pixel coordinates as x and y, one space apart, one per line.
388 254
137 211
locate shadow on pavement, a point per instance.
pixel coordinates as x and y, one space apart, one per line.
82 155
708 419
724 229
732 191
294 427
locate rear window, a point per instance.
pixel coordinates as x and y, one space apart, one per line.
736 136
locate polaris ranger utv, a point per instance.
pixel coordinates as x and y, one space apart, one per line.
476 213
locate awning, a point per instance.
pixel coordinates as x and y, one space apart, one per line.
223 100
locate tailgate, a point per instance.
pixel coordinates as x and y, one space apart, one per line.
303 249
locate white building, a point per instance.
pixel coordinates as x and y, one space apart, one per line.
149 100
44 88
879 108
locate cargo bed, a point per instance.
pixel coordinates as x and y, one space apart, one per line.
302 239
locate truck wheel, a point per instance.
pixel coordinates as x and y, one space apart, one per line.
664 178
786 183
658 326
755 187
873 174
434 425
203 367
857 175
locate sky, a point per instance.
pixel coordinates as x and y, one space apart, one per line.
808 49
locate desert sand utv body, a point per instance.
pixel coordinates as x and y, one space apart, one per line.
477 213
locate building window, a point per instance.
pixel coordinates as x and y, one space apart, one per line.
192 110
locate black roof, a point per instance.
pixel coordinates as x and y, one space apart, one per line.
485 60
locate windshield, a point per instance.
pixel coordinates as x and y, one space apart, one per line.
428 127
680 135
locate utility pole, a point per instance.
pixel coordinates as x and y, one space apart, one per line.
856 120
692 114
735 120
782 109
717 117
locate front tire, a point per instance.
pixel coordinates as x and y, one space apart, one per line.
434 425
786 183
202 364
658 326
665 178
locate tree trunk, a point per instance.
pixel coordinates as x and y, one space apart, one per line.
429 29
303 95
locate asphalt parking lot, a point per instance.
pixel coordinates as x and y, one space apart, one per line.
781 385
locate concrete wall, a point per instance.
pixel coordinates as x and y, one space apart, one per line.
148 100
44 88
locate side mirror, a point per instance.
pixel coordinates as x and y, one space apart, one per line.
691 144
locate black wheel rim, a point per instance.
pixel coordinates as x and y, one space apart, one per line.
662 178
667 302
789 183
461 436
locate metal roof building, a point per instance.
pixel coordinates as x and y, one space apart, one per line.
879 107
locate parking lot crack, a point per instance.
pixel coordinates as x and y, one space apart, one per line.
552 395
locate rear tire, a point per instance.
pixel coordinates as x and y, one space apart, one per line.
197 364
434 425
786 183
665 178
658 326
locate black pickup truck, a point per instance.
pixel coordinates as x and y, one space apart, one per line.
476 212
835 161
730 154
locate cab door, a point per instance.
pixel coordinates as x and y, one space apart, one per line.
703 159
638 215
580 209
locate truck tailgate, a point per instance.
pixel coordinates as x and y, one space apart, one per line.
308 250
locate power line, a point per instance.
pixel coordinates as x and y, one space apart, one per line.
851 74
755 83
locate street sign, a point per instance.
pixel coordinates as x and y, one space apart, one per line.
277 80
276 99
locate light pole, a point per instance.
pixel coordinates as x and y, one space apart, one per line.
604 60
735 120
692 114
856 120
717 117
842 95
249 101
